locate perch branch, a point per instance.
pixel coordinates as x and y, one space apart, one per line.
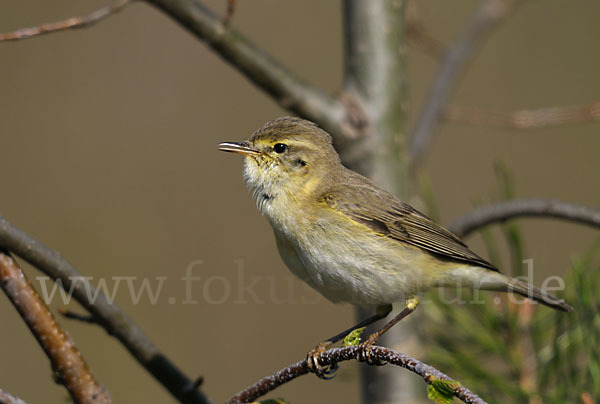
108 315
67 363
6 398
502 211
262 69
487 16
524 119
332 356
70 23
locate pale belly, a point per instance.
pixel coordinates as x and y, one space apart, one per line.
363 270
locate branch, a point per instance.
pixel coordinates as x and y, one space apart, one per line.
418 36
71 23
428 373
231 4
489 14
6 398
524 119
262 69
502 211
108 315
586 398
76 316
375 77
69 367
375 80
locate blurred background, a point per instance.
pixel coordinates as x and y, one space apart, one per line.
108 138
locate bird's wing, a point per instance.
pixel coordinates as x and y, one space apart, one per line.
386 215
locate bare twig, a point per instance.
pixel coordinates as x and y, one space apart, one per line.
262 69
6 398
486 17
586 398
524 119
332 356
70 23
107 314
230 11
502 211
76 316
418 36
69 367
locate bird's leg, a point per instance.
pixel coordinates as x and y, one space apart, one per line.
364 349
312 356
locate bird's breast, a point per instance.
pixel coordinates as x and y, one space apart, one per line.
346 262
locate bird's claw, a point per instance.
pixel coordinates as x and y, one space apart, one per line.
312 359
364 353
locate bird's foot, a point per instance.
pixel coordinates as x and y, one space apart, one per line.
312 359
364 351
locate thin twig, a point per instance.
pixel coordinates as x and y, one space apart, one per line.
230 11
291 92
107 314
417 34
486 17
6 398
502 211
332 356
524 119
76 316
69 367
70 23
586 398
418 37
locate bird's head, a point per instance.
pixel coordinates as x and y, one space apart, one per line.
286 155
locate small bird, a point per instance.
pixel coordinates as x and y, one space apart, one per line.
351 240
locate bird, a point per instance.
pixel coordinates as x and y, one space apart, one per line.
351 240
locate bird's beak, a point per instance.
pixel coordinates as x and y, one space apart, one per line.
238 147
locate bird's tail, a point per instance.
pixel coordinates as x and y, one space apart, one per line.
485 279
531 292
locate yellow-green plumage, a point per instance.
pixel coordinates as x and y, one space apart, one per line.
346 237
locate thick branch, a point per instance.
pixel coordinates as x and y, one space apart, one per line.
428 373
502 211
375 79
108 315
485 18
524 119
285 87
70 23
69 367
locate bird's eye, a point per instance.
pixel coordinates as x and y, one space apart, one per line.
280 148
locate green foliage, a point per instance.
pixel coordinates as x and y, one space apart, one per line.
513 353
520 353
353 337
442 391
